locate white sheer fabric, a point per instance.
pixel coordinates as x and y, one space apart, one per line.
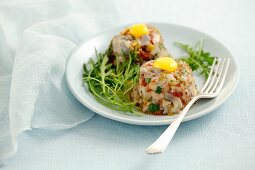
36 37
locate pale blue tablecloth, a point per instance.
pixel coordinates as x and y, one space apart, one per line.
224 139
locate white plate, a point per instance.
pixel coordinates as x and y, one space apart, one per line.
171 33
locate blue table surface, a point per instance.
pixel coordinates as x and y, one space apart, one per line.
223 139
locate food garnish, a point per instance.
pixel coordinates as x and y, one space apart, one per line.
138 30
111 85
198 59
165 63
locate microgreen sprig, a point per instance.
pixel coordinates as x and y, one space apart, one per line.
111 84
197 58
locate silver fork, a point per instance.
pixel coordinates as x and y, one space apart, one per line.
211 89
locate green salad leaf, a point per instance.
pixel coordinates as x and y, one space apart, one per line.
197 58
111 85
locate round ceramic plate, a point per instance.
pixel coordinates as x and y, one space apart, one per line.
171 33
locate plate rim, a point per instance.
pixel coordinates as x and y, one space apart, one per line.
149 122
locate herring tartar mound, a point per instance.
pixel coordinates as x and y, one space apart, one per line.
143 39
162 92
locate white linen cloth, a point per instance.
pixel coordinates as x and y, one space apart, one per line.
36 37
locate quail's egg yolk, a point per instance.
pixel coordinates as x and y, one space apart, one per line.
138 30
165 63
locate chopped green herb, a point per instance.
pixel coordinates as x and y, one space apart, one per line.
158 90
197 58
147 80
153 107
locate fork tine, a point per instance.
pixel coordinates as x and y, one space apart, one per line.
216 82
219 87
214 76
210 75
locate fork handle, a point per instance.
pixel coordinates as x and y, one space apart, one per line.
162 142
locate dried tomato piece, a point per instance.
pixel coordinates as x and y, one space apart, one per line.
144 55
177 94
